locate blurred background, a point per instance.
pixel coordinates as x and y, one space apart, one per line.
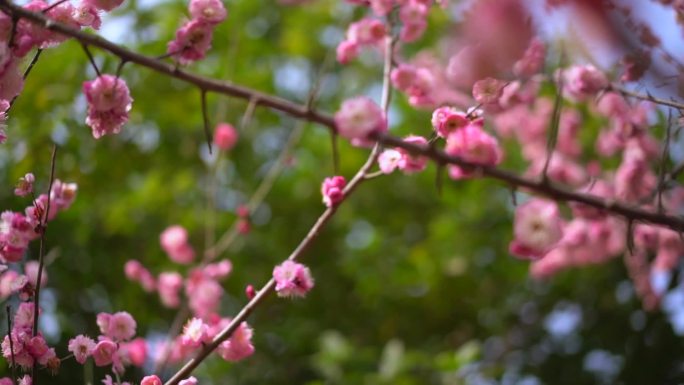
413 286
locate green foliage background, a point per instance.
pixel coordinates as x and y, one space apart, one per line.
412 286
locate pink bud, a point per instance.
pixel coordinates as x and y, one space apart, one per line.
225 136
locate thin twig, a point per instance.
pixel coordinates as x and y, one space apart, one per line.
8 308
33 62
43 230
205 119
663 161
555 124
91 58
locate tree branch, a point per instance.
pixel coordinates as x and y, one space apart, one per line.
204 83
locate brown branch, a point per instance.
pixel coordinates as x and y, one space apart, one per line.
550 190
204 83
647 97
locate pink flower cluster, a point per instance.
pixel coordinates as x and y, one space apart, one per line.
371 32
332 190
115 345
193 39
109 102
292 279
27 36
202 287
198 331
24 349
17 229
472 144
358 118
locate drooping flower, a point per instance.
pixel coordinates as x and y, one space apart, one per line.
109 102
189 381
192 41
209 11
292 279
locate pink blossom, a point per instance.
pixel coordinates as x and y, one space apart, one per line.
63 194
81 347
6 381
31 271
292 279
174 241
537 228
64 14
121 326
403 76
151 380
23 318
218 270
488 91
204 293
238 346
25 380
11 81
472 145
413 12
169 285
135 351
381 7
87 15
367 32
104 5
581 82
195 333
332 190
412 32
347 51
358 118
135 271
104 352
225 136
409 163
209 11
446 120
192 41
109 102
102 321
388 160
532 61
250 292
25 185
189 381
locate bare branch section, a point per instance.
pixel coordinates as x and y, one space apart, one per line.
204 83
538 186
